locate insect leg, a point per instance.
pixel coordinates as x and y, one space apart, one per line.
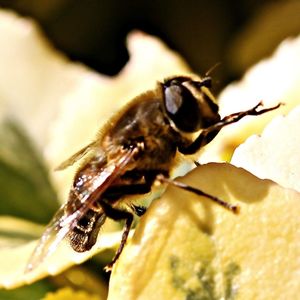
239 115
197 164
209 133
233 208
117 214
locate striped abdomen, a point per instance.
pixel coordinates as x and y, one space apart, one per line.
84 235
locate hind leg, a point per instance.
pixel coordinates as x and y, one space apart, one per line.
117 215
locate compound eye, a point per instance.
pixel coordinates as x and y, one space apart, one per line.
182 108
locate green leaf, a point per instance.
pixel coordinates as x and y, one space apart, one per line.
15 232
25 190
33 292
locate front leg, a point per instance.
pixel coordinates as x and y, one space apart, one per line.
209 133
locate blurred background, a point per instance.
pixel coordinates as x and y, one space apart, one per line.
235 34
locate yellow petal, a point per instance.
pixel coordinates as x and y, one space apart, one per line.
13 260
69 294
37 77
185 245
275 153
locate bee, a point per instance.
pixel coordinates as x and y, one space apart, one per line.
136 148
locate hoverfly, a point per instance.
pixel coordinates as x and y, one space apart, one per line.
137 148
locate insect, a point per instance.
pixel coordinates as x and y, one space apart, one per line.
137 148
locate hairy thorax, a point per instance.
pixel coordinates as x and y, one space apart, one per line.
145 123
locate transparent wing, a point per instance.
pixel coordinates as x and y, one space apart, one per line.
76 156
63 223
51 237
